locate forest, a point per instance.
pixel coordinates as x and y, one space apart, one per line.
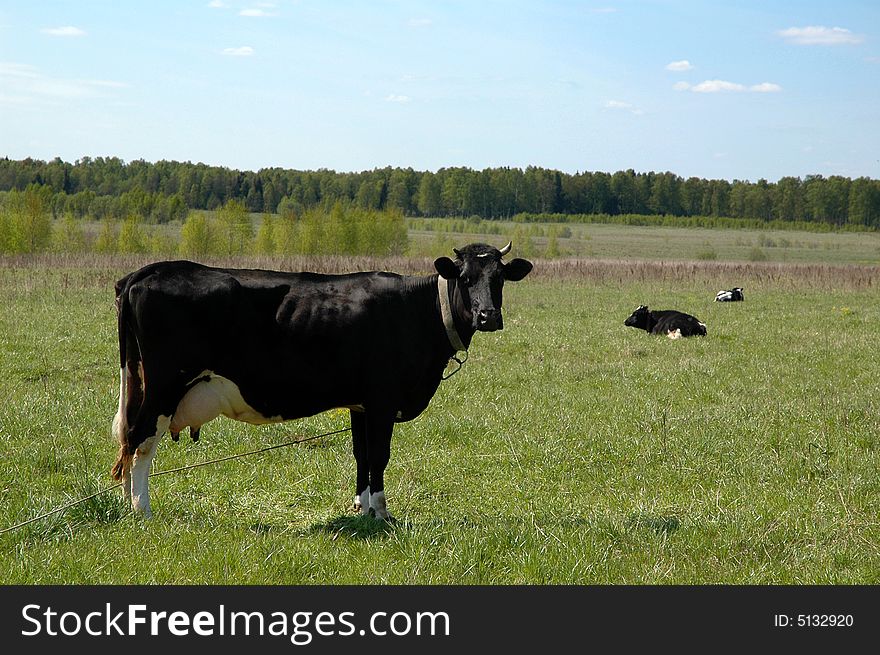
165 191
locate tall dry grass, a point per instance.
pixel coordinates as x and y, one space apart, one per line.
783 275
95 269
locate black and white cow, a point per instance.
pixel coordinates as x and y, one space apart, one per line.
263 346
673 324
729 295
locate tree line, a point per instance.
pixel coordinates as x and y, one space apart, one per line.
166 190
26 226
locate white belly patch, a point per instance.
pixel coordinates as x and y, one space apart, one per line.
209 398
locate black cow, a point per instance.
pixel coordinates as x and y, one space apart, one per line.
731 295
263 346
668 321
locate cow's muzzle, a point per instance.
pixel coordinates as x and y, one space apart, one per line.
489 320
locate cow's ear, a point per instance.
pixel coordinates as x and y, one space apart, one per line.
516 269
446 267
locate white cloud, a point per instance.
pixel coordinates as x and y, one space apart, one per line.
67 30
765 87
717 86
26 85
242 51
396 98
420 22
9 69
820 35
619 105
679 66
216 4
723 86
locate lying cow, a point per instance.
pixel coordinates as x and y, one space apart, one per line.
673 324
731 295
263 346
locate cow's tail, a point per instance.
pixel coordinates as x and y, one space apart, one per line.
130 380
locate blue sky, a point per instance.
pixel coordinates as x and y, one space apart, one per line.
734 90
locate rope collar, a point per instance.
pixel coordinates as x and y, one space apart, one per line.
446 313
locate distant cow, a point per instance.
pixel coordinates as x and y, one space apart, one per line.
730 295
668 321
263 346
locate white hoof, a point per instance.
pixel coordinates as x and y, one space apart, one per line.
141 509
362 502
378 506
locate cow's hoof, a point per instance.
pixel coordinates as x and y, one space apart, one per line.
381 515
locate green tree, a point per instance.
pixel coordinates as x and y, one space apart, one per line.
864 202
30 222
131 236
552 250
344 228
108 239
393 237
370 193
788 201
68 235
429 195
522 242
5 231
198 236
287 241
311 232
265 244
236 231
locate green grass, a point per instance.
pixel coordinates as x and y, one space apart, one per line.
569 449
429 236
662 242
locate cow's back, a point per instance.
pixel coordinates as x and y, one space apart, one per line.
295 343
671 320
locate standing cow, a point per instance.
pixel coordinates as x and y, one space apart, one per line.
729 295
673 324
263 346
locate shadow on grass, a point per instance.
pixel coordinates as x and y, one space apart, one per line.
356 527
661 525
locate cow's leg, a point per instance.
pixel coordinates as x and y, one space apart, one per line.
380 425
359 447
141 460
161 395
130 400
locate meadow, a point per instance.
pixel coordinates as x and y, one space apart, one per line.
651 242
568 450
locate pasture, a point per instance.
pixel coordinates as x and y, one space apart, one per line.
568 450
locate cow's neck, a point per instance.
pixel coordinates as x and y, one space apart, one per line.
454 314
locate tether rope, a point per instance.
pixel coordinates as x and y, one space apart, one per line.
176 470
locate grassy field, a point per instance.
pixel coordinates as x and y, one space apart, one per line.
569 449
660 242
428 236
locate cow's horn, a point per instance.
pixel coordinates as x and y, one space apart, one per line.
506 249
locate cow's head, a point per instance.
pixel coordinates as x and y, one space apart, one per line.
480 274
641 318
